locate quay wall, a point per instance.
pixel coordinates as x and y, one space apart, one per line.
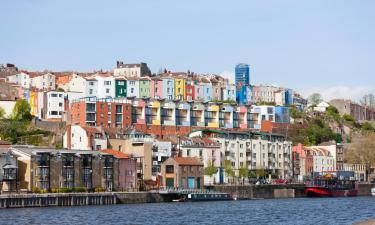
44 200
263 191
111 198
364 189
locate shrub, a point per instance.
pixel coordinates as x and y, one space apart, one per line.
79 189
35 190
99 189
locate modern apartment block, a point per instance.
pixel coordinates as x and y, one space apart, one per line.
242 74
108 112
269 152
47 169
163 117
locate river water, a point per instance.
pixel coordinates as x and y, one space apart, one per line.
297 211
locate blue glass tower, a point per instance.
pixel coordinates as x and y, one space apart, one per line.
242 74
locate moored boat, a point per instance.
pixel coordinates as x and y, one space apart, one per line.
195 197
332 184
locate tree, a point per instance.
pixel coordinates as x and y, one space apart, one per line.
366 126
260 173
315 98
362 151
243 173
211 169
368 100
22 110
228 169
2 113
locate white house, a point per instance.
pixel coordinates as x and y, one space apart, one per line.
76 84
264 112
22 79
84 138
91 87
106 85
44 81
132 87
54 105
321 107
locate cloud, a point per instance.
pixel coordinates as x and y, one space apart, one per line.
228 75
344 92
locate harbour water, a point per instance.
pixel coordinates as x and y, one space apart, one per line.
297 211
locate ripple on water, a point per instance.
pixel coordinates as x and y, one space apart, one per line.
302 211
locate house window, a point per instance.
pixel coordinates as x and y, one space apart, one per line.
107 90
200 152
188 152
107 82
169 169
91 83
90 91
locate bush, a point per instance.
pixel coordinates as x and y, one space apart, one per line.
35 190
99 189
79 189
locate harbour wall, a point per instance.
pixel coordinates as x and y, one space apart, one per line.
263 191
43 200
111 198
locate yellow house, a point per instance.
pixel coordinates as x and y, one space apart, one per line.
34 102
180 87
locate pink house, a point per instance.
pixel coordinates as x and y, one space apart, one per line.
156 88
127 170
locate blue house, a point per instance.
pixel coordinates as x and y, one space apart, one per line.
282 114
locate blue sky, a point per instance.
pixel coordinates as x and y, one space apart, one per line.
320 45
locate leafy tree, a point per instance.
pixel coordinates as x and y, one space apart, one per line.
2 113
366 126
243 173
362 151
22 110
228 169
260 173
333 113
211 169
315 98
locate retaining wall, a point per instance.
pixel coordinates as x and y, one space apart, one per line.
43 200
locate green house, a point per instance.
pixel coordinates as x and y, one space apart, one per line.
120 87
144 87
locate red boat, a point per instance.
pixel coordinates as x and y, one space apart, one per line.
332 184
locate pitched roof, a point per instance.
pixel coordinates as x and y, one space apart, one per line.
188 161
115 153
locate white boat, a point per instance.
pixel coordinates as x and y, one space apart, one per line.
373 191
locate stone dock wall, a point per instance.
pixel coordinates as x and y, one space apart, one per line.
43 200
106 198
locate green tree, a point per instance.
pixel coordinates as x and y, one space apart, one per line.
260 173
22 110
315 98
228 169
2 113
333 113
243 173
211 169
366 126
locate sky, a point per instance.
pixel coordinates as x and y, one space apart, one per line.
310 46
